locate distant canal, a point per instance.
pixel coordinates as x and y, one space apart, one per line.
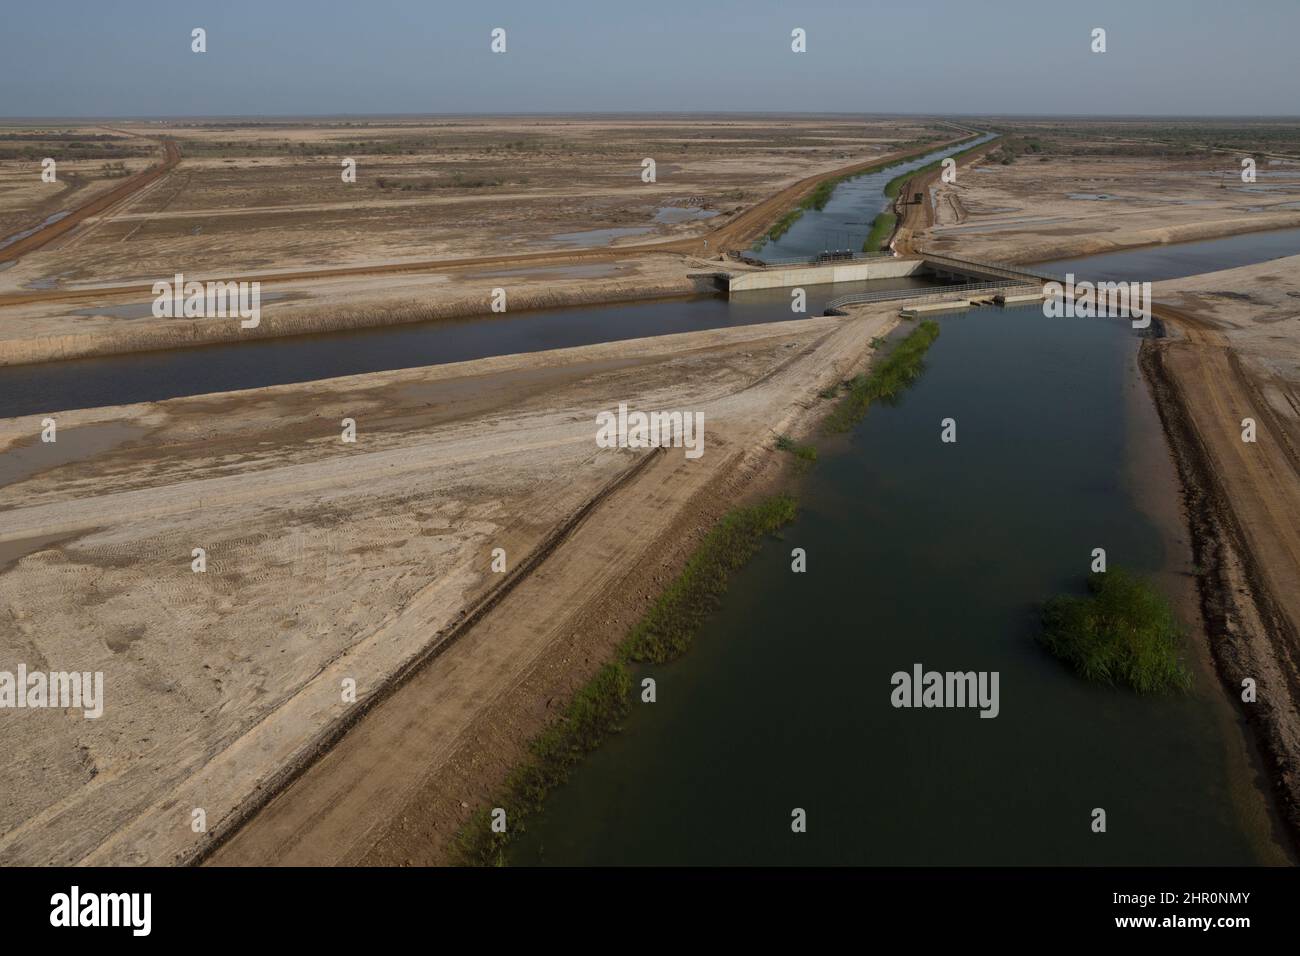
845 221
921 552
1183 259
154 376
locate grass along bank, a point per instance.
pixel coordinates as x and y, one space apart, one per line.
666 630
884 381
881 229
598 708
895 185
805 453
821 195
1124 632
817 199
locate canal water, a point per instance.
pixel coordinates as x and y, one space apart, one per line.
1183 259
921 552
154 376
845 221
926 553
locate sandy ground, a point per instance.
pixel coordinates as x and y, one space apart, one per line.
52 308
1037 210
1237 356
265 197
86 166
329 561
53 331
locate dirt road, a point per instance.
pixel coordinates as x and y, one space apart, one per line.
915 218
47 234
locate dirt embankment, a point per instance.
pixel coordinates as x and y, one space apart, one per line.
142 335
332 562
461 724
914 217
1242 501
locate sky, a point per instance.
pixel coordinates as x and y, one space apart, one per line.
91 58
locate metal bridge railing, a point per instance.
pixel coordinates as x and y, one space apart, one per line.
958 262
814 260
928 294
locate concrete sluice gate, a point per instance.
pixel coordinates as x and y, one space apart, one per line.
957 283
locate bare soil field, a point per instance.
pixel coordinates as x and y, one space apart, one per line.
750 172
271 196
1058 203
89 160
329 561
45 331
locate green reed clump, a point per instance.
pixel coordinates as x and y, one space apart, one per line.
882 227
802 452
668 627
883 382
595 711
662 634
782 225
1123 633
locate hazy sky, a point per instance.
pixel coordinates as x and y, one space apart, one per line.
132 57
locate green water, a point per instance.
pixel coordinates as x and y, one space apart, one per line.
938 554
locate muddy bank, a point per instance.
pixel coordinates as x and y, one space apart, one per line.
1249 634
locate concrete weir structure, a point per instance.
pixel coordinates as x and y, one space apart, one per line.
944 269
959 283
825 273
